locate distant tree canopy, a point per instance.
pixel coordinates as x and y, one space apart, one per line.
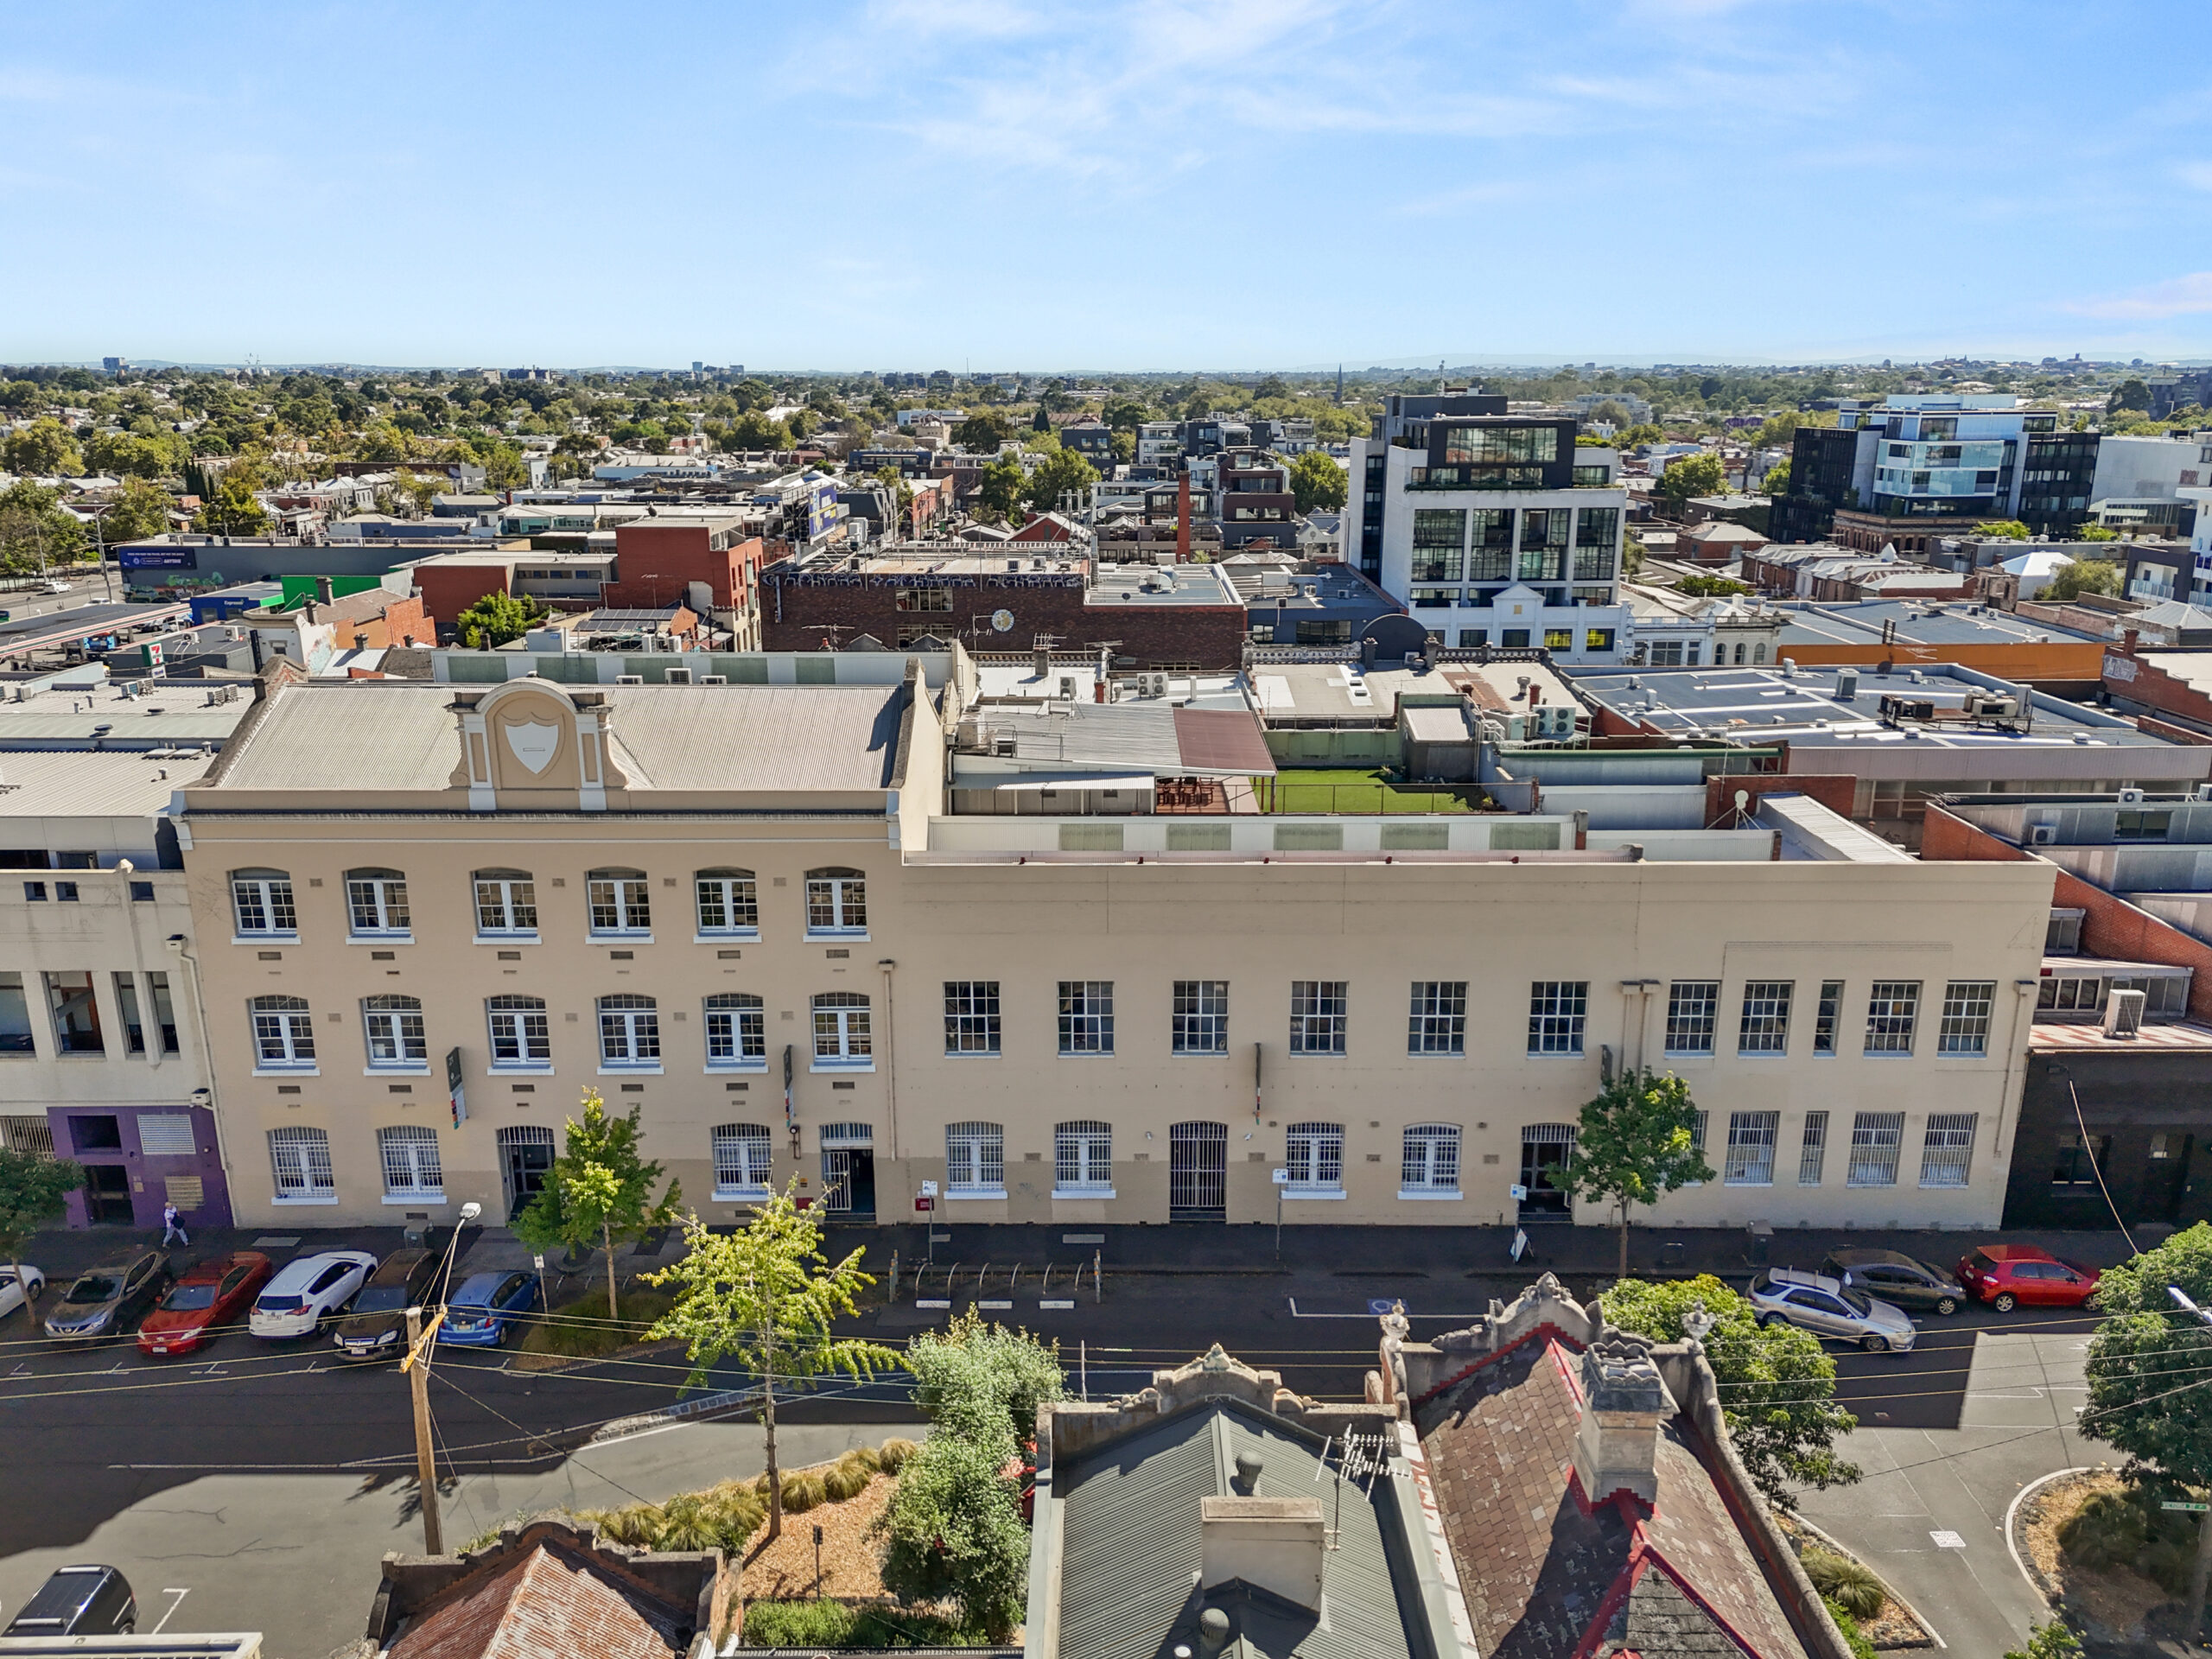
1689 476
2100 577
1317 482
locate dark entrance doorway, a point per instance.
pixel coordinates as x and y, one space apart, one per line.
2165 1173
1542 1146
848 1171
1198 1171
107 1195
525 1160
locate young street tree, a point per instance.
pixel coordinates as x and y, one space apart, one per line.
497 618
767 1297
1777 1383
599 1190
32 1187
1637 1142
2148 1350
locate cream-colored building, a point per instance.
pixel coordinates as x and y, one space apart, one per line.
746 910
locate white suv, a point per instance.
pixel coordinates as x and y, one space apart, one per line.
306 1291
1828 1307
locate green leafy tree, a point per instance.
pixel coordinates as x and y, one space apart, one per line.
985 429
1064 471
1003 486
2148 1367
46 448
1316 482
2051 1640
972 1377
1636 1143
599 1190
35 532
1777 481
32 1189
1125 415
497 618
1777 1383
766 1296
124 454
2130 393
2096 533
2084 576
952 1532
503 466
754 430
2009 530
234 509
140 509
1124 445
1704 586
1691 475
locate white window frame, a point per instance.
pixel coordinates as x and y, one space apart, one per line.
839 896
1692 1018
1752 1138
972 1027
734 893
1763 1029
740 1020
1424 1148
1947 1149
1827 1020
269 893
411 1149
627 896
1319 1015
843 1019
1559 1017
1086 1019
1083 1160
1201 1017
746 1150
1877 1148
376 907
516 1019
299 1164
1313 1157
1963 1031
974 1152
638 1020
1436 1018
511 896
384 1020
1892 1019
292 1026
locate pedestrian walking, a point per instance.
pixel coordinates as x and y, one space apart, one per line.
172 1226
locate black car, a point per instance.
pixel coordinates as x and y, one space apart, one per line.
1896 1278
376 1326
104 1300
79 1601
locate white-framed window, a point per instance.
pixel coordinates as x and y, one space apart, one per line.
1086 1016
1558 1008
1875 1140
1966 1007
392 1026
1692 1007
1201 1016
261 905
1813 1149
1828 1019
519 1035
837 904
1430 1164
972 1016
629 1031
742 1155
1946 1150
409 1152
1751 1148
1318 1014
737 1029
300 1158
1764 1028
1892 1005
1314 1155
284 1032
729 904
1083 1160
619 902
506 904
974 1160
376 904
1436 1018
841 1030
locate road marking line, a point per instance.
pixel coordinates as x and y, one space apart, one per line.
1295 1314
179 1595
1946 1540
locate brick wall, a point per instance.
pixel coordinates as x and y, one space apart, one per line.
655 564
2145 682
447 590
1832 792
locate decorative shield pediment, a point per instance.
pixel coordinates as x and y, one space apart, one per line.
533 742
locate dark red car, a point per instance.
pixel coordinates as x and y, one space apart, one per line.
2007 1275
215 1293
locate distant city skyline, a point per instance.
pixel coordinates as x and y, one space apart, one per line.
924 183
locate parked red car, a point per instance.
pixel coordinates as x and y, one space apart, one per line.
2006 1275
215 1293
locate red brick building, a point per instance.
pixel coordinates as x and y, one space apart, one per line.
710 563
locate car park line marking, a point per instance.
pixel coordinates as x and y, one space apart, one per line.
179 1595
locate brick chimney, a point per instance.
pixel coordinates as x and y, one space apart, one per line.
1617 1447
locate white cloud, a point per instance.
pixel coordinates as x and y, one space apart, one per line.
2178 296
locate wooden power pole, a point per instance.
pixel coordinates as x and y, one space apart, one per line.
426 1466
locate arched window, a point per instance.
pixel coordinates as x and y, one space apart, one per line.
409 1153
284 1032
629 1031
619 902
506 904
729 904
261 904
300 1158
841 1030
519 1035
1314 1154
376 904
836 903
741 1160
1431 1165
974 1160
1083 1160
737 1031
393 1025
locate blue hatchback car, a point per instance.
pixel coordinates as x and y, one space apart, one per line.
478 1315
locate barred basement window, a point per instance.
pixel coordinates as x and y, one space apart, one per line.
1814 1149
1751 1148
301 1160
1430 1161
975 1160
410 1155
1082 1158
741 1153
1876 1138
1947 1151
1314 1154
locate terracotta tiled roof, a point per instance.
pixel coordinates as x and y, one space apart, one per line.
548 1600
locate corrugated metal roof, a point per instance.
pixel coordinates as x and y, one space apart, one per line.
78 783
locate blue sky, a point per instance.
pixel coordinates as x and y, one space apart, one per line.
1222 184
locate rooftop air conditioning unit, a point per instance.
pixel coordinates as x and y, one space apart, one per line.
2043 834
2124 1014
714 679
629 679
679 677
1156 686
2130 796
